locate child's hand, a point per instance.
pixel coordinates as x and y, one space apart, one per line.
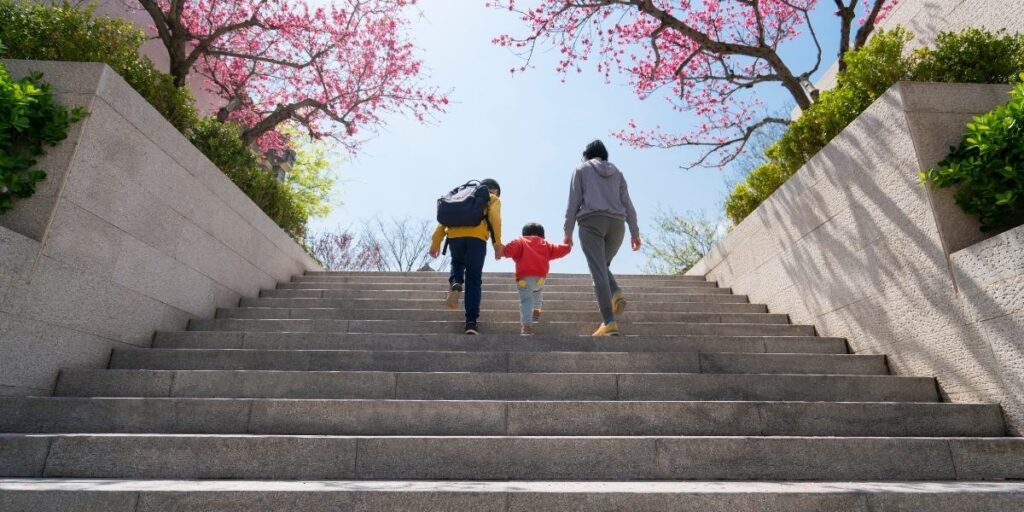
568 240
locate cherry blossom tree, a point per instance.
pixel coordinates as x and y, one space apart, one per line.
706 57
342 251
332 70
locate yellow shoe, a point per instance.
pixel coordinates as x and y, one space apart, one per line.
611 329
619 303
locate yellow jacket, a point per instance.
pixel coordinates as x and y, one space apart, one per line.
493 214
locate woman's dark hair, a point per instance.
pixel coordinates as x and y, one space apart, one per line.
491 185
533 229
594 150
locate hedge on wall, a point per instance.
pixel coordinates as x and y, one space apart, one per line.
988 166
30 120
222 144
36 31
971 56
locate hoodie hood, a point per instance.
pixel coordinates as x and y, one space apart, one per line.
599 188
604 168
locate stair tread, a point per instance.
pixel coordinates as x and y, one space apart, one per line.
478 486
362 382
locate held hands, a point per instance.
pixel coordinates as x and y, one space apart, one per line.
499 252
567 240
636 243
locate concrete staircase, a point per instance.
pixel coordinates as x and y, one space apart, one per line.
354 391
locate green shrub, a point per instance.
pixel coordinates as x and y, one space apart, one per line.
37 31
222 144
29 121
760 184
988 166
971 56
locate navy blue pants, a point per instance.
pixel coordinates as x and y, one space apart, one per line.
468 256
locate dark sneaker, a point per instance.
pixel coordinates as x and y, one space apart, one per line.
471 329
536 315
452 300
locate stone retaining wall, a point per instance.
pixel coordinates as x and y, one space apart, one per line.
854 245
133 231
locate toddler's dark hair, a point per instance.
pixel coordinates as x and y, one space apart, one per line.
533 229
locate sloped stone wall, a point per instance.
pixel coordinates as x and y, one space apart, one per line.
854 245
133 231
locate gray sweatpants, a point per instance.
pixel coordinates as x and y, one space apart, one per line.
600 238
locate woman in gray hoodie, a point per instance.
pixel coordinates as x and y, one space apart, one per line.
599 201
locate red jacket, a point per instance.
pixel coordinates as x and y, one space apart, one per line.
532 254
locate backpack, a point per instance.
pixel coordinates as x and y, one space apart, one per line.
464 206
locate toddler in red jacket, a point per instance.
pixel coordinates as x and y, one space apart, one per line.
532 255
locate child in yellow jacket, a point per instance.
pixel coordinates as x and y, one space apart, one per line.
468 246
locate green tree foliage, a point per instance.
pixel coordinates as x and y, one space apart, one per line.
311 177
680 241
37 31
30 120
988 166
972 56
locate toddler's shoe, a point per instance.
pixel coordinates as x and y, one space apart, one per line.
526 330
452 301
611 329
536 315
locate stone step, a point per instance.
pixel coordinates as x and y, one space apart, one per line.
492 362
486 273
494 386
496 343
492 418
168 456
443 276
442 279
510 286
511 314
712 295
455 326
442 282
435 304
53 495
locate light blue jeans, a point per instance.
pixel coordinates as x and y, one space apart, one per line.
530 289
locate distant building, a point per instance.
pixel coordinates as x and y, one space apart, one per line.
279 162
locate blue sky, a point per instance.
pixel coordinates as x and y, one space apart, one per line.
527 131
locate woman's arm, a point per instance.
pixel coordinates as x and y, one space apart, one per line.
575 201
631 220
